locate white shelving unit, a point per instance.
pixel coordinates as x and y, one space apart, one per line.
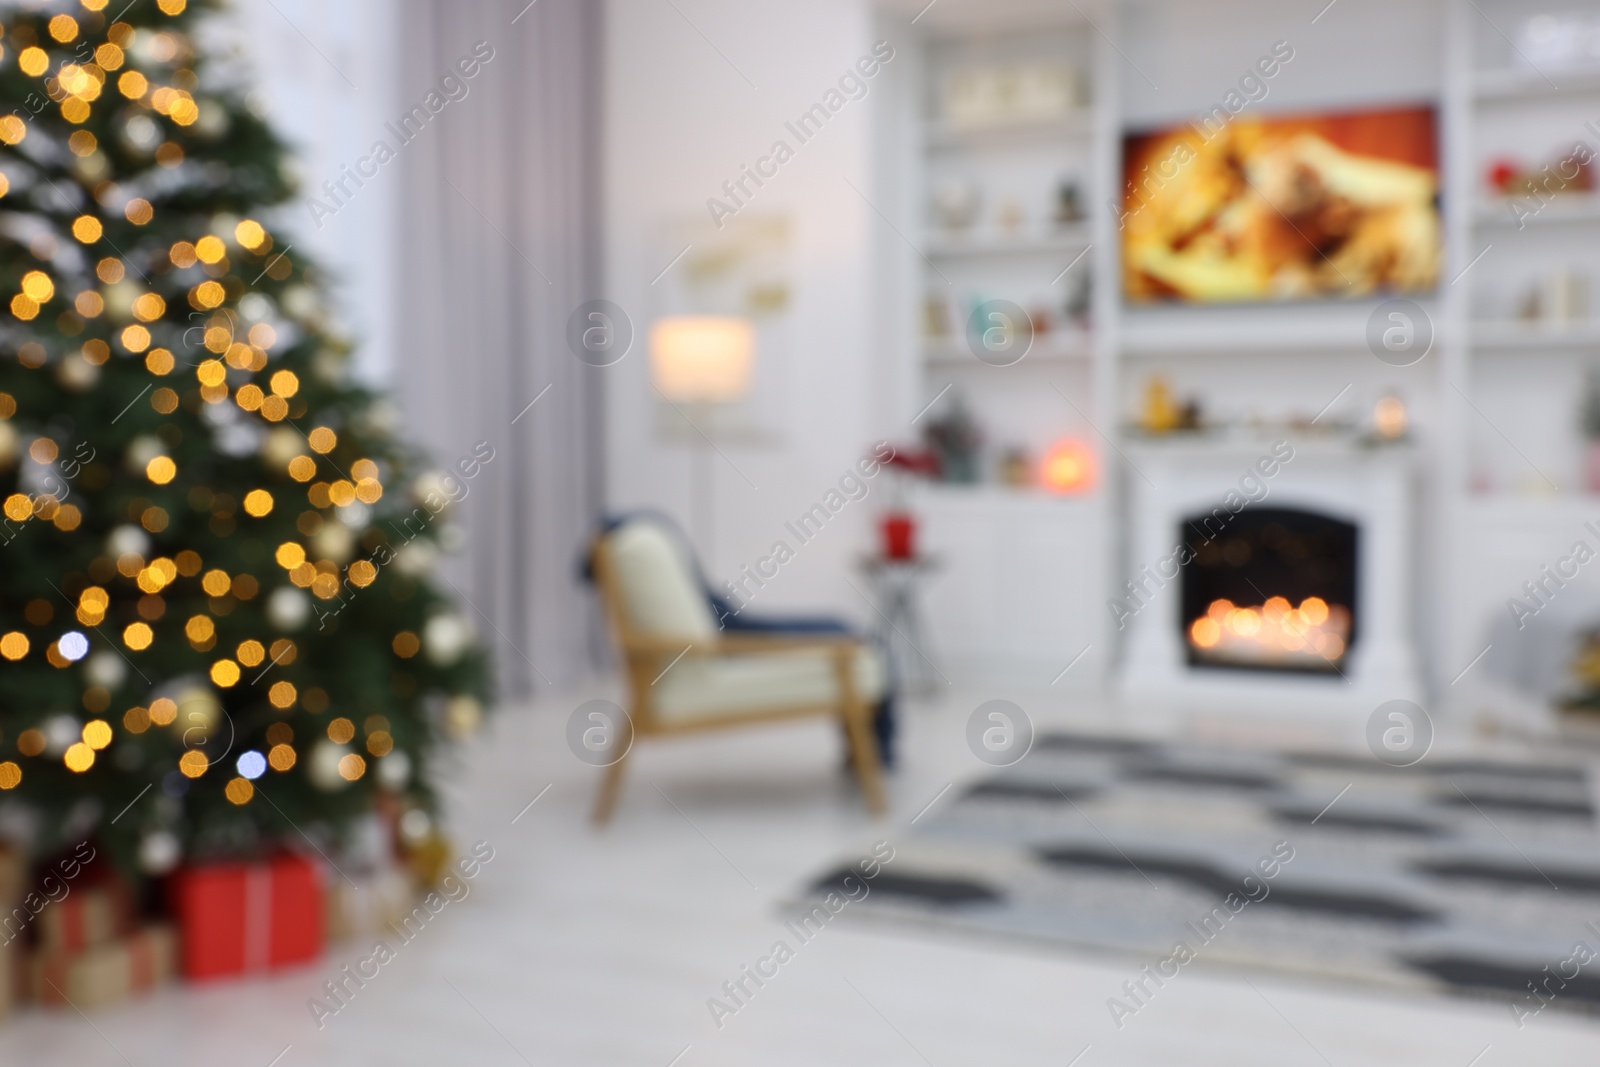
1512 386
1496 400
1507 109
1021 566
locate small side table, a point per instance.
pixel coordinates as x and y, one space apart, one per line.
896 586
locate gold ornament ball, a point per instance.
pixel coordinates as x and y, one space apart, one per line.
462 717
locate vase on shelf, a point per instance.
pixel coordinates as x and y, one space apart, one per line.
1589 420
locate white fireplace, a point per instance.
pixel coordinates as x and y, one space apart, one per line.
1191 503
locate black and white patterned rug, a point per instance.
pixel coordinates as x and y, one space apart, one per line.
1467 876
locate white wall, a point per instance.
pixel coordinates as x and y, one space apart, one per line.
327 74
680 120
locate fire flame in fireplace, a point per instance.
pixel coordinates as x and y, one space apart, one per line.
1277 633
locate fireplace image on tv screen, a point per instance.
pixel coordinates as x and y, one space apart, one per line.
1275 590
1329 205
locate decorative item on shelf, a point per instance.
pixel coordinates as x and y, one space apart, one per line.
1069 208
1077 303
1558 297
1190 415
1502 173
1039 318
1590 418
1013 92
236 917
1531 307
1568 40
1389 421
1009 216
1068 467
1566 295
956 438
1570 172
936 316
1160 414
956 203
1016 469
908 462
105 974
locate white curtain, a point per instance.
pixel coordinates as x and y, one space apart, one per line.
499 193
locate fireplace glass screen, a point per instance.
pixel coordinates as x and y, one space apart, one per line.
1270 589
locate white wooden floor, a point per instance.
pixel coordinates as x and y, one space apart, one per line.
585 948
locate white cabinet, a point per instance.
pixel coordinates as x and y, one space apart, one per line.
1018 594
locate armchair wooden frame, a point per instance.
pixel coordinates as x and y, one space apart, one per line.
645 658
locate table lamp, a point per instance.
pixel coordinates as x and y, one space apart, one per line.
701 360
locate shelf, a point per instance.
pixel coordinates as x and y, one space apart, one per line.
1569 507
1069 239
1514 334
1248 331
1512 85
1057 346
1245 443
1577 207
1079 125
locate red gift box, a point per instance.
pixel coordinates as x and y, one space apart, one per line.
234 918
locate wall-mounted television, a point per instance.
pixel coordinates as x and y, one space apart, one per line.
1239 208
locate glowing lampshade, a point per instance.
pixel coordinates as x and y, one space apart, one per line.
1068 467
702 358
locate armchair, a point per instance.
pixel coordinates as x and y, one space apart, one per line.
684 674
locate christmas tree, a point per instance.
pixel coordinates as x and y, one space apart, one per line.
216 622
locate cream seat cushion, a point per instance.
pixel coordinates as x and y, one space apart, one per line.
711 686
663 598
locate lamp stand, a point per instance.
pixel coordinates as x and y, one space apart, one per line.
702 486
